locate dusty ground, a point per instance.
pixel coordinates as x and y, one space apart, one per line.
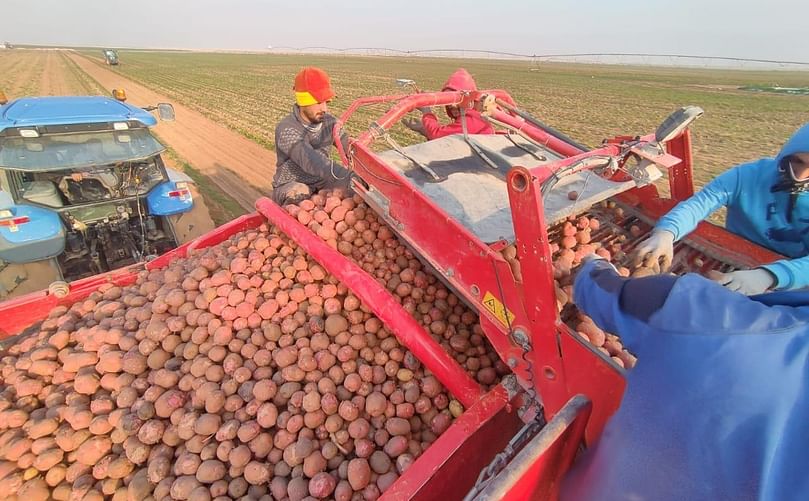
237 165
56 78
21 72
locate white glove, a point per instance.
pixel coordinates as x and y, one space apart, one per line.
747 282
656 252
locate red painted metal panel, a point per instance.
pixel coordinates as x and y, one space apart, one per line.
681 180
536 472
533 251
449 468
589 372
562 366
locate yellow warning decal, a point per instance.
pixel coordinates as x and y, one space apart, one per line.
498 309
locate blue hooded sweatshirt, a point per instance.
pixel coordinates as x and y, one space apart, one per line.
717 407
760 209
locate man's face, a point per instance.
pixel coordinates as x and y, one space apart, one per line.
800 165
314 113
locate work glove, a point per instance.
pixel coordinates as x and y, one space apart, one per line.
415 125
747 282
656 252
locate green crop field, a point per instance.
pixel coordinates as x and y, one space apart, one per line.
251 92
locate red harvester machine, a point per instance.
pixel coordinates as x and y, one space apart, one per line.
458 202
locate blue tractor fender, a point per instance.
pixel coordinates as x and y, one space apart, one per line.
28 233
172 196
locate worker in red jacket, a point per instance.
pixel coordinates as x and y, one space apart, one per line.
429 126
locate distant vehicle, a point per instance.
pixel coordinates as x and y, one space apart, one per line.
8 45
84 190
111 57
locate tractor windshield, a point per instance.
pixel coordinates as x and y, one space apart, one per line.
66 151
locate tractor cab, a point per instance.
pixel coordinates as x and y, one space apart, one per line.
83 187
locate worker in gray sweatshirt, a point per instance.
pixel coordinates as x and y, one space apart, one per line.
303 140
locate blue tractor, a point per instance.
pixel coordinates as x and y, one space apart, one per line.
84 190
110 57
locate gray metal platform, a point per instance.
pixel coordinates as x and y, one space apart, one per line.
475 193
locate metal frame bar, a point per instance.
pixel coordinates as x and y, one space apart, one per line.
537 470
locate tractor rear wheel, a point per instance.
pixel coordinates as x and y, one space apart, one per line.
194 223
17 279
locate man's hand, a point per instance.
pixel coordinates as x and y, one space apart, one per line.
747 282
590 257
656 252
415 125
595 257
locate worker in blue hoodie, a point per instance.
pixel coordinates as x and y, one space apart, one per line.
767 204
717 406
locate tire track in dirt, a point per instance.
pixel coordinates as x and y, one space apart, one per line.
55 78
240 167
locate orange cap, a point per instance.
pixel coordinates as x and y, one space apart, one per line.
312 86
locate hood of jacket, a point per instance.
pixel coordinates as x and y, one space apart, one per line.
460 80
798 143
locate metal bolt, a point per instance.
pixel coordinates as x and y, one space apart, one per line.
512 362
450 272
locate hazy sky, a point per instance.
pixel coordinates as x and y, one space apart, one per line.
776 29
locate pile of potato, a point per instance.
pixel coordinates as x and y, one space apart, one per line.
355 231
604 231
350 227
245 371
